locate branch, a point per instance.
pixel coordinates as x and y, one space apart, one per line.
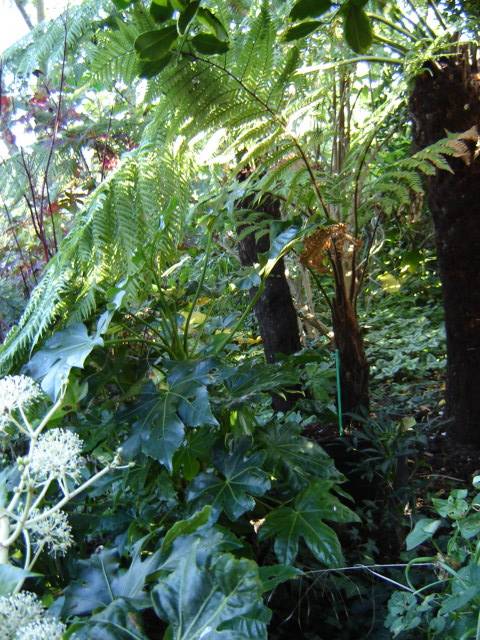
25 16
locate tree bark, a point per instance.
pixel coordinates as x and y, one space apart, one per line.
275 312
445 98
354 368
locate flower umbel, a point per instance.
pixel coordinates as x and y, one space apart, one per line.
46 629
52 531
17 610
16 392
56 455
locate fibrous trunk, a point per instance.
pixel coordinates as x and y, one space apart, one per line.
445 99
275 312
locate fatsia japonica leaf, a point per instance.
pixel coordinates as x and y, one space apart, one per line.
186 527
160 428
288 525
241 477
309 9
292 457
219 601
118 621
100 580
10 576
196 411
64 350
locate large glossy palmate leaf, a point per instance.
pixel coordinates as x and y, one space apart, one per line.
159 431
294 458
66 349
240 479
118 621
100 581
10 576
220 600
288 525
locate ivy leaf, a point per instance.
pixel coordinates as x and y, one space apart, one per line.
301 30
305 521
357 28
64 350
241 479
187 16
423 530
220 601
154 45
208 44
309 9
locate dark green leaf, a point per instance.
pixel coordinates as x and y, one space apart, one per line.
162 431
93 586
118 621
151 68
219 602
179 5
275 574
309 9
196 411
291 456
187 16
357 29
196 448
122 4
161 12
241 479
64 350
470 526
10 576
209 20
301 30
209 44
186 527
288 525
154 45
423 530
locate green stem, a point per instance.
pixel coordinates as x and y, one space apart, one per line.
197 292
339 393
242 318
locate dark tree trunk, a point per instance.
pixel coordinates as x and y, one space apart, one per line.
275 313
354 369
446 99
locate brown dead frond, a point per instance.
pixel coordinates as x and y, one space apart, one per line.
318 246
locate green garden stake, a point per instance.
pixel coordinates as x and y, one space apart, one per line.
339 393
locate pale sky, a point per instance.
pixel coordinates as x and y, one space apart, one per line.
12 25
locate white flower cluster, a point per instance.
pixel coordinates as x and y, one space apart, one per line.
46 629
22 617
56 455
15 392
52 531
16 611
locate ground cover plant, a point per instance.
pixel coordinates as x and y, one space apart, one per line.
239 321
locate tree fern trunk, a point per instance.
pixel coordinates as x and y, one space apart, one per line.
275 312
446 99
354 369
